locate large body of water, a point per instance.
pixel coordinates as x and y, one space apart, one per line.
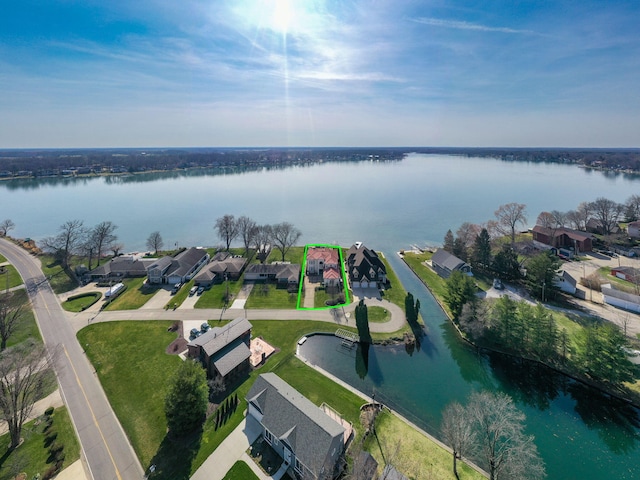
389 206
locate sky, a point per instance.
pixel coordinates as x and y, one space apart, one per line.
253 73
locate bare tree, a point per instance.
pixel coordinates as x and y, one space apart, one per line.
457 432
607 212
262 237
67 242
467 234
508 216
581 215
116 248
6 226
102 237
285 235
499 427
12 310
155 242
632 208
227 229
246 227
23 381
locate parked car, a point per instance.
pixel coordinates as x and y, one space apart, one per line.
200 290
497 284
193 291
175 288
195 333
204 327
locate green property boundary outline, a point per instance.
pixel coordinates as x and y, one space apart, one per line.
345 285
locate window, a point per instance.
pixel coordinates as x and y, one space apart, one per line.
298 466
268 436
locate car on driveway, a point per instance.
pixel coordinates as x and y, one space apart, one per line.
200 290
497 284
193 291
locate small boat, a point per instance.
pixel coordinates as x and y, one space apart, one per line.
302 340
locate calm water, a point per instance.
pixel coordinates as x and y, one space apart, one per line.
389 206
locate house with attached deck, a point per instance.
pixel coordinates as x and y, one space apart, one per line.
308 439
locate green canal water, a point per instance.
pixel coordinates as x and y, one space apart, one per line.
580 433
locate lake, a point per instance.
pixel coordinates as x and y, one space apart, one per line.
389 206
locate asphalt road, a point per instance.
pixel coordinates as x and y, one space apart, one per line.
106 448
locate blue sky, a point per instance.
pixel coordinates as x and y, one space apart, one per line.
319 73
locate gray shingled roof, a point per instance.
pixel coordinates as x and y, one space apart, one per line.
228 359
185 261
446 260
161 263
219 337
311 434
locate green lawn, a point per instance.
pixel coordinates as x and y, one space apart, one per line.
27 326
293 255
378 314
31 457
81 302
130 359
240 471
266 295
2 259
321 297
11 278
135 296
59 280
395 292
214 297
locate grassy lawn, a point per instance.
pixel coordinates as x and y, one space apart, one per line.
135 296
214 297
415 261
31 457
293 255
321 297
27 326
240 471
2 259
395 293
378 314
12 276
134 370
58 278
266 295
412 453
80 303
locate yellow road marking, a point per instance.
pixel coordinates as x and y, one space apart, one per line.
95 421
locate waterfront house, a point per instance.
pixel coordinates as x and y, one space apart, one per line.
565 282
124 266
324 262
364 267
224 351
308 439
633 229
445 263
222 265
283 274
562 238
178 269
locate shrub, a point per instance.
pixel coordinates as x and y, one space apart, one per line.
49 411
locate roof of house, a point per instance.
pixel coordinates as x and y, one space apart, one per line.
185 261
229 358
219 256
217 338
631 271
311 433
327 254
567 277
572 234
446 260
364 263
123 264
282 271
330 273
161 263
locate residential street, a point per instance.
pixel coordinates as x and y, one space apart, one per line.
105 447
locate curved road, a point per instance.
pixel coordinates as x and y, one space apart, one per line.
107 451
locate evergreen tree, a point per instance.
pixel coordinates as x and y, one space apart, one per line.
460 249
481 254
187 399
504 311
448 241
460 289
541 274
505 264
362 322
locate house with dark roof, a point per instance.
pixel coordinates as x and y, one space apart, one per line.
309 440
178 269
364 267
224 351
222 265
285 275
563 238
124 266
445 263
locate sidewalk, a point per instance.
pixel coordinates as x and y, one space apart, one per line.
232 449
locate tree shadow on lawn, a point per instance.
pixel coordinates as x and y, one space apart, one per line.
175 456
